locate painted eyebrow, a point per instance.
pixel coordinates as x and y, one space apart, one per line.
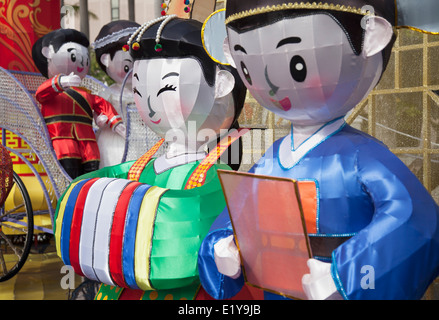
70 49
136 76
171 74
288 40
239 48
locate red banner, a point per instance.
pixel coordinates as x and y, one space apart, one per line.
22 22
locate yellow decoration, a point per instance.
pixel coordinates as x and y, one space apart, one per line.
295 5
136 46
144 236
60 217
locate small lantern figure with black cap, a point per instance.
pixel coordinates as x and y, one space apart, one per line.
62 57
311 63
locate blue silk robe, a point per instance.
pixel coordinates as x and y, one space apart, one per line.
383 219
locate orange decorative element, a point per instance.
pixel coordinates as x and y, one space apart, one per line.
178 7
308 198
137 168
198 177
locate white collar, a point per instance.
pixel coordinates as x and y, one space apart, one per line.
163 163
290 156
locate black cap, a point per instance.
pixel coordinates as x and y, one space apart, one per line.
179 38
55 38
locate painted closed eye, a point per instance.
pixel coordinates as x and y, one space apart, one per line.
168 87
136 91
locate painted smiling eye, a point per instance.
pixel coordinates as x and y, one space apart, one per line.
166 88
246 73
298 68
73 57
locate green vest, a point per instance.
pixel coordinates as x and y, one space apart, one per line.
182 220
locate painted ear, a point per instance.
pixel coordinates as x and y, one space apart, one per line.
224 83
378 34
227 54
106 59
48 52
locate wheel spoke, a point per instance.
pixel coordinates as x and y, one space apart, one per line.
11 211
3 266
14 248
16 231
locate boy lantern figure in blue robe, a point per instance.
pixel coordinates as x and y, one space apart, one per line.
311 63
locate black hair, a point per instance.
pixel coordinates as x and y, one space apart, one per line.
182 38
179 38
55 38
349 22
112 47
239 94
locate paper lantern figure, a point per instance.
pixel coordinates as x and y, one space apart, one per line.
116 62
62 57
140 229
376 228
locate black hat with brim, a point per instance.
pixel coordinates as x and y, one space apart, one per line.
238 9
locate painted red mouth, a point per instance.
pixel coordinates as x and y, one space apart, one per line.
80 69
285 103
156 122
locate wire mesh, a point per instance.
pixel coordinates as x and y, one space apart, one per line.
20 114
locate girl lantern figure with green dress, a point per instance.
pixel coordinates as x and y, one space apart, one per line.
137 227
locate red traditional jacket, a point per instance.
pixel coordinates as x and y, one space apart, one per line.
69 113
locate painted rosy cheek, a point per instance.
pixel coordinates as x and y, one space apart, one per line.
284 104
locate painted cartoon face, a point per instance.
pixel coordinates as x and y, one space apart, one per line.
71 57
172 95
119 66
303 69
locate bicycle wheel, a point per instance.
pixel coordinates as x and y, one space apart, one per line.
16 230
